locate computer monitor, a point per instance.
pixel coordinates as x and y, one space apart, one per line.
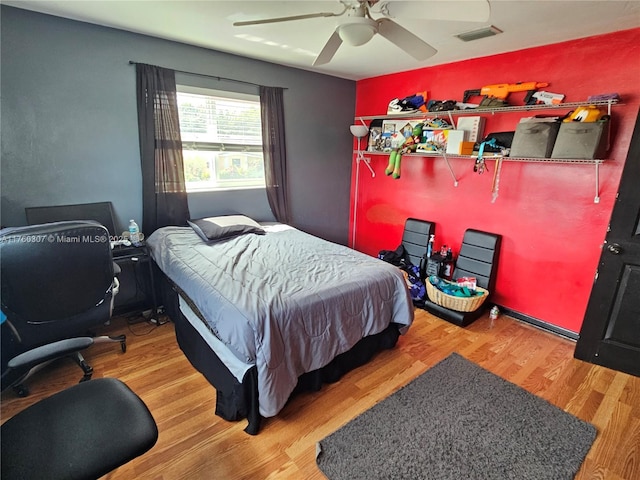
101 212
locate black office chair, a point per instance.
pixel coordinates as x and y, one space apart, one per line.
478 258
83 432
57 282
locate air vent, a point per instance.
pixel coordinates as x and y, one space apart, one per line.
478 34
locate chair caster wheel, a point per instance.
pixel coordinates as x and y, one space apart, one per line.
123 341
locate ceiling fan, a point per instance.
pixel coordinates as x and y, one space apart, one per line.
357 25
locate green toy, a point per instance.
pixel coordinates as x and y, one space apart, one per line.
409 145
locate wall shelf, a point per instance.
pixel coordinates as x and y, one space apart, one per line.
490 110
446 156
496 158
587 161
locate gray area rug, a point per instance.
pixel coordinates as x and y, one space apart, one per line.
458 421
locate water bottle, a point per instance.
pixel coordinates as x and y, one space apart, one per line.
430 246
134 232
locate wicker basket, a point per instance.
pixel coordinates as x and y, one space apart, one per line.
460 304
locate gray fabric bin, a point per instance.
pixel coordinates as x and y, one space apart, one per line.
582 140
534 139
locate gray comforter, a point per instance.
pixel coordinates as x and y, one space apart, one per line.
286 301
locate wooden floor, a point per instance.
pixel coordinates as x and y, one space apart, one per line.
195 444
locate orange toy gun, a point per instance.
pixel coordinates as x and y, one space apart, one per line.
496 95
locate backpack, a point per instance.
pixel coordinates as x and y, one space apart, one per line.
400 259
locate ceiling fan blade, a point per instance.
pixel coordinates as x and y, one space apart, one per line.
403 38
286 19
329 50
456 10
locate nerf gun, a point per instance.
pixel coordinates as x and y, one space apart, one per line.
546 98
496 95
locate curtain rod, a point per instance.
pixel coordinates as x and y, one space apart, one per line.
131 62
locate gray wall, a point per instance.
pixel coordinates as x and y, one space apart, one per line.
70 135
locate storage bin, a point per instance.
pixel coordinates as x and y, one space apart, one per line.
582 140
459 304
534 139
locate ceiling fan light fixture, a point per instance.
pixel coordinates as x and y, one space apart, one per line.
357 31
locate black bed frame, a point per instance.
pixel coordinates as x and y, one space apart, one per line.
235 400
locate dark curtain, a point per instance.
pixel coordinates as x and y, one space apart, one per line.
164 195
275 157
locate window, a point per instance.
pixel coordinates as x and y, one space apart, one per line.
221 139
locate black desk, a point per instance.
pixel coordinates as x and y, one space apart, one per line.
137 284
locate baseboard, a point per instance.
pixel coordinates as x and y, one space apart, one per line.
563 332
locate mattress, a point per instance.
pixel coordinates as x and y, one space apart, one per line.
286 302
236 367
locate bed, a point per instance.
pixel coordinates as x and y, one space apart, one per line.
268 310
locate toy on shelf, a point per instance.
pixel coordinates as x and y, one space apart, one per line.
496 95
409 145
588 114
545 98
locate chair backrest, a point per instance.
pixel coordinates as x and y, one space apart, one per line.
415 238
478 258
101 212
55 279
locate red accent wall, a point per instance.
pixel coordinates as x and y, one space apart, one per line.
552 229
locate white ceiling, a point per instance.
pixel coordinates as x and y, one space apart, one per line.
208 23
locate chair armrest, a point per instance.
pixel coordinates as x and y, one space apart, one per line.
50 351
115 287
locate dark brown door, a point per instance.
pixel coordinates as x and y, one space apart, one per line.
610 334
